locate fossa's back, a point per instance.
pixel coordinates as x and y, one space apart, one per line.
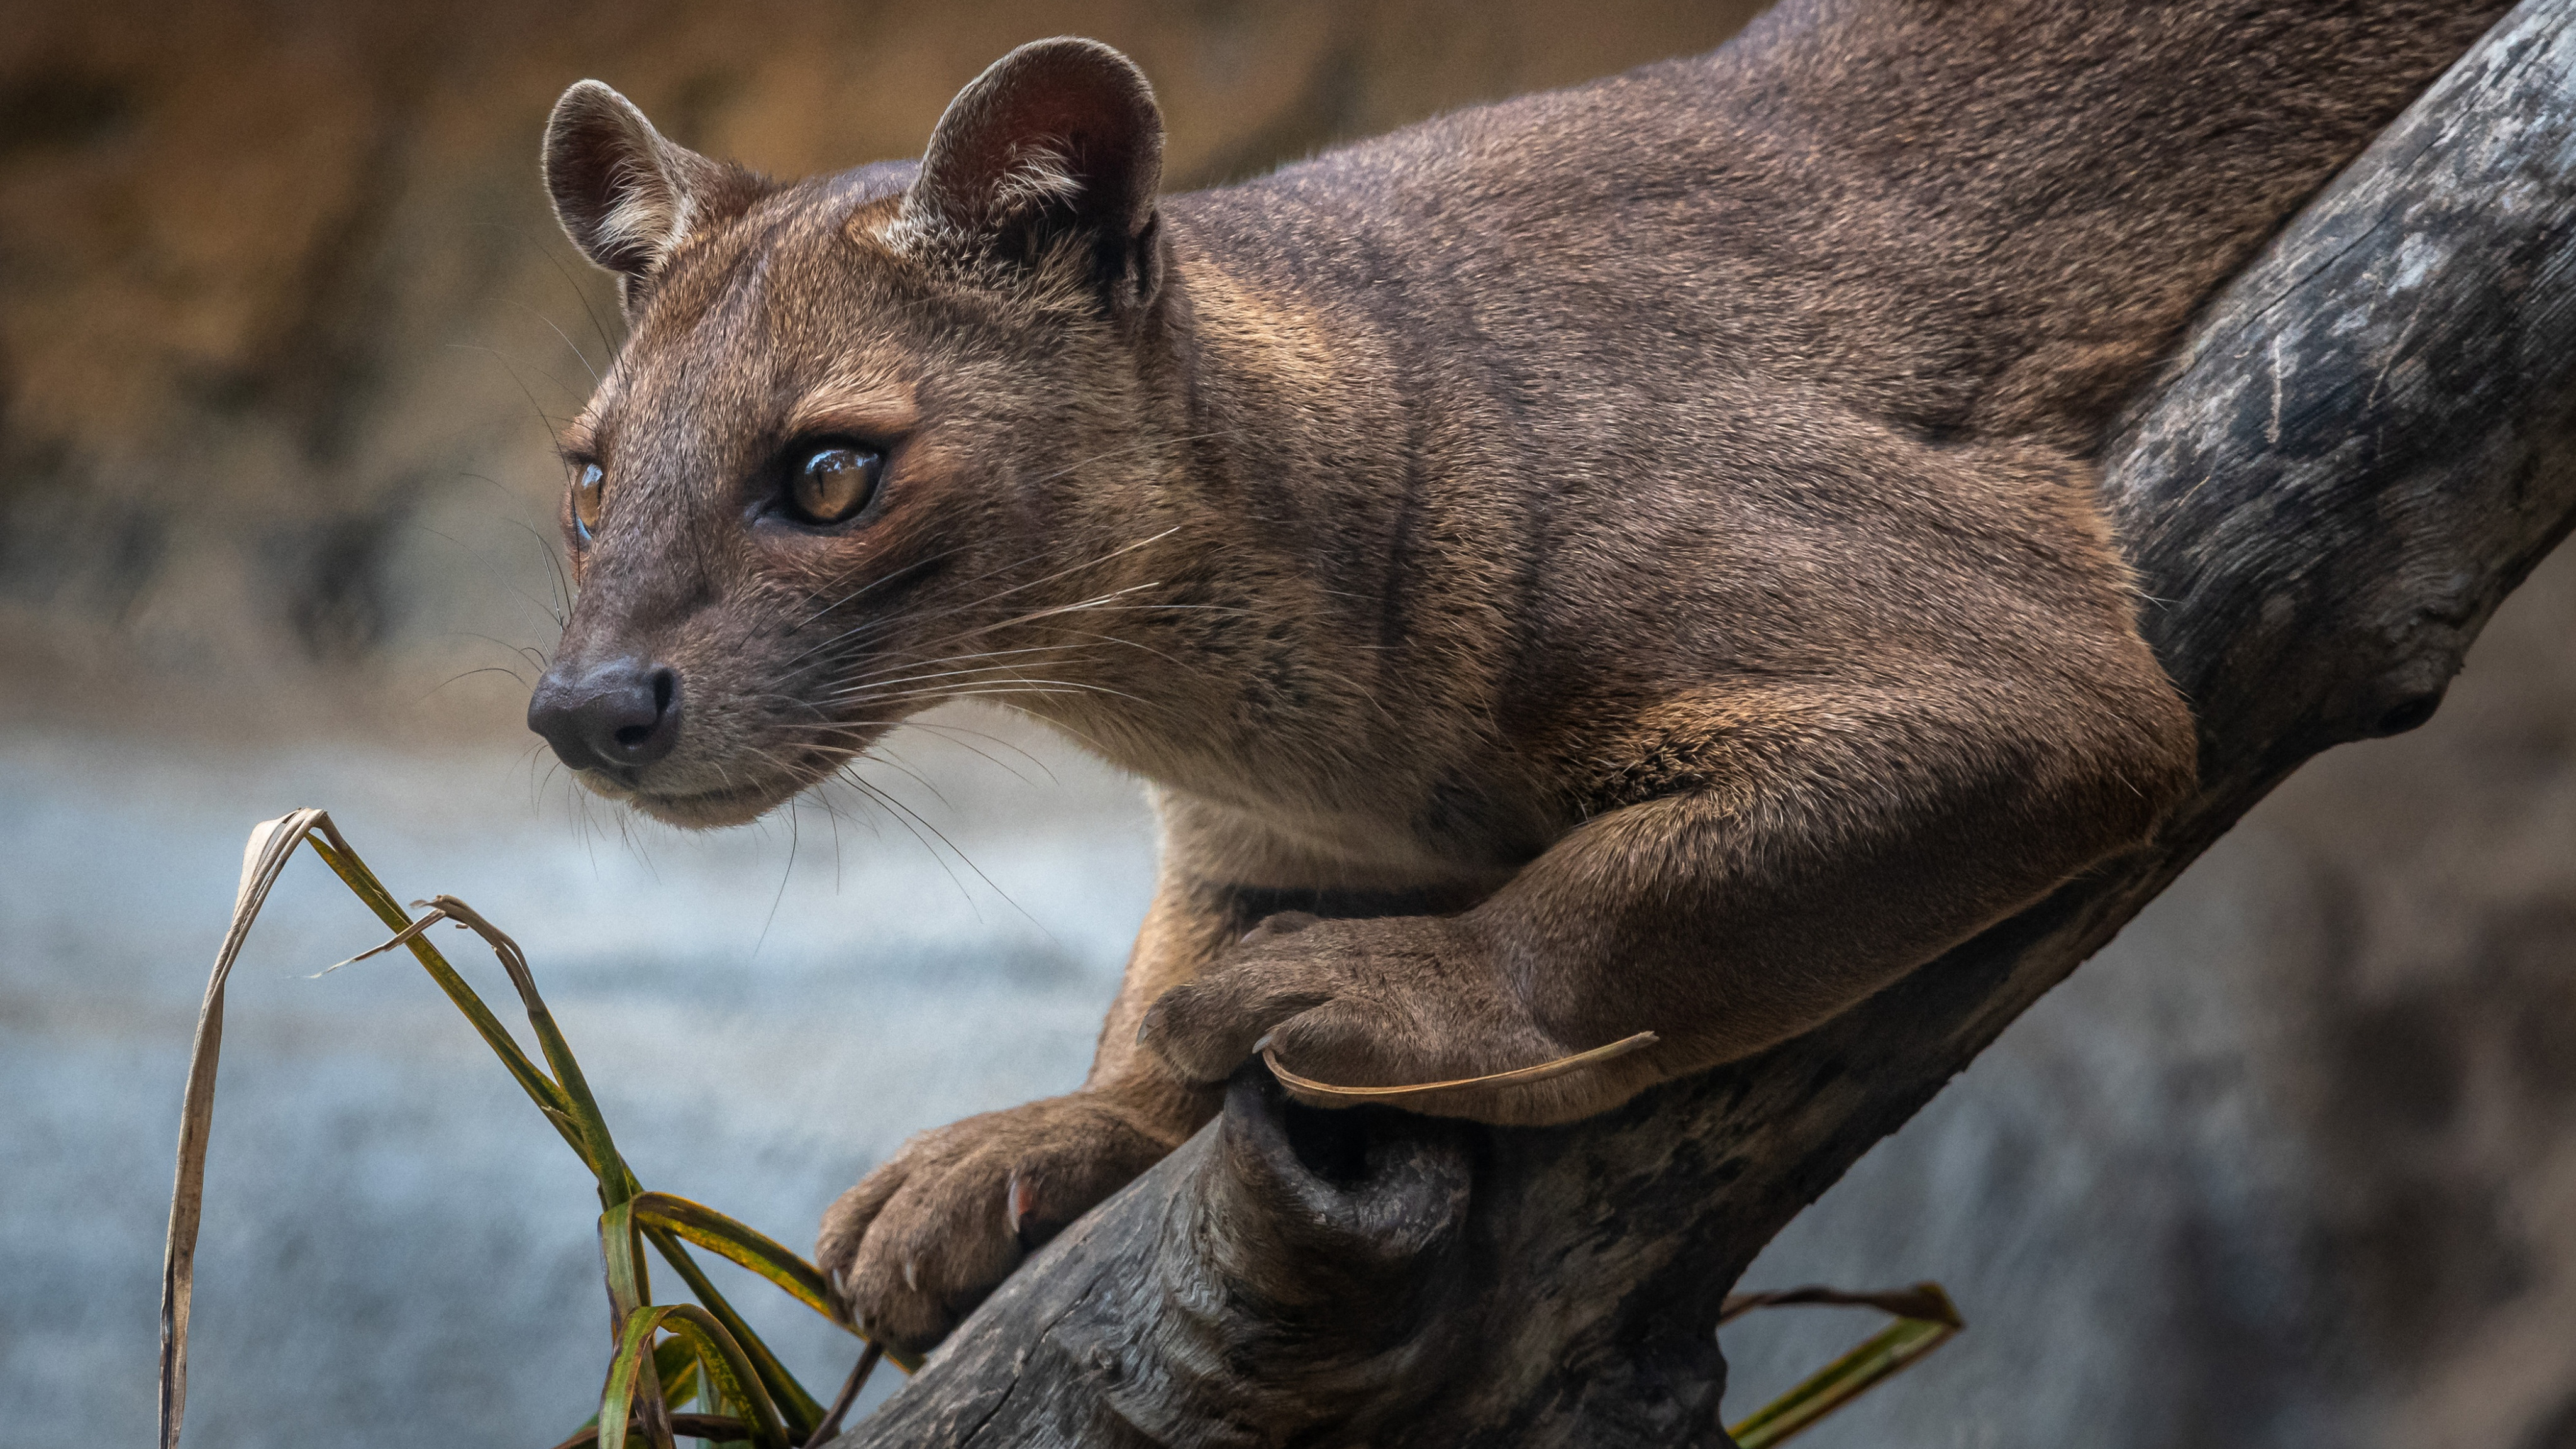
1971 219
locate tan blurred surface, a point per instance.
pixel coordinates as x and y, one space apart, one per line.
279 293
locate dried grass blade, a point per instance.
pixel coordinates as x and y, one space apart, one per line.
264 855
715 1428
1923 1300
1539 1073
825 1431
403 937
1872 1362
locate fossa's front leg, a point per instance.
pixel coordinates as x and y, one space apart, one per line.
1835 839
926 1235
1380 1003
933 1229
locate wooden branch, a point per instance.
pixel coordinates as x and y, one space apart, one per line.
2366 443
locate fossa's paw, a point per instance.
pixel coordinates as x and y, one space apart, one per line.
1371 1003
921 1240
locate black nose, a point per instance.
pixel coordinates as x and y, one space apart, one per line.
624 713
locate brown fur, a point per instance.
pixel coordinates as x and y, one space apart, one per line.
1622 559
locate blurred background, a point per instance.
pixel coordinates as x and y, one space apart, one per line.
283 324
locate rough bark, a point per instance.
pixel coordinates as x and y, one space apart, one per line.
2366 443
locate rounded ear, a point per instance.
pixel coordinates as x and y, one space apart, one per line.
624 194
1058 136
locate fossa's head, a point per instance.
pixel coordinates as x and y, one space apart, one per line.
870 443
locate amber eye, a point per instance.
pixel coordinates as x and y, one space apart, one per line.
832 481
585 498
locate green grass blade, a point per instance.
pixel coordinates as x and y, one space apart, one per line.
616 1183
362 883
730 1239
1875 1360
677 1364
583 1123
628 1287
713 1353
729 1372
795 1405
618 1399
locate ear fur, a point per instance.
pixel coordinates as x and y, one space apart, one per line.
1060 138
625 194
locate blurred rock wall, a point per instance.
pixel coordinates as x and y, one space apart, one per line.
282 311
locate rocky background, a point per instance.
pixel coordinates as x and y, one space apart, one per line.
282 322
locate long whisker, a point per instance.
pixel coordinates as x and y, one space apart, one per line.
1102 601
470 673
945 730
1016 687
853 777
860 592
952 733
553 423
913 661
890 806
559 332
987 673
527 653
577 293
479 556
562 608
793 835
887 757
1026 585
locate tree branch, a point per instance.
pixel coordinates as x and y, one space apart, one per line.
2366 443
